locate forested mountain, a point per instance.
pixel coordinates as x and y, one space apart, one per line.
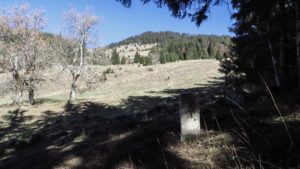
164 46
173 46
150 37
167 37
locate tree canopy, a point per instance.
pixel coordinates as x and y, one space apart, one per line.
197 10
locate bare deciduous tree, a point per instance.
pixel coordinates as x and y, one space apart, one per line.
22 48
73 44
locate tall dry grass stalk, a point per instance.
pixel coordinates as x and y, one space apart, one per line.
278 110
163 154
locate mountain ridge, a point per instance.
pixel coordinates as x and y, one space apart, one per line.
161 37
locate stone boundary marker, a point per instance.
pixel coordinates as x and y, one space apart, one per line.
189 116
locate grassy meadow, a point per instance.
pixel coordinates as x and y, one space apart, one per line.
131 120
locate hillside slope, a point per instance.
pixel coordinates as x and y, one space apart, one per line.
132 121
126 80
165 37
170 46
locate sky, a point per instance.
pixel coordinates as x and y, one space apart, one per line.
118 22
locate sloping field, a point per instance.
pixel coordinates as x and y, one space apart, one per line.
132 80
125 81
132 121
93 132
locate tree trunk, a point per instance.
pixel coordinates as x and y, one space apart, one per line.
18 88
298 38
282 64
73 92
274 61
73 87
18 96
31 95
282 59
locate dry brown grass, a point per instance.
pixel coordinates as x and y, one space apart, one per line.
127 80
93 133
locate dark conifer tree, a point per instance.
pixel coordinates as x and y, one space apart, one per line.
219 56
123 61
136 57
162 59
142 60
115 59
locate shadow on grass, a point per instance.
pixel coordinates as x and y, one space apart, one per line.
15 124
39 101
138 133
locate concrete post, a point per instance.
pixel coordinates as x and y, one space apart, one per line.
189 115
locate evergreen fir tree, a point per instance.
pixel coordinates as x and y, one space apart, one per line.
148 61
136 57
162 59
219 56
123 61
205 54
212 51
115 59
142 60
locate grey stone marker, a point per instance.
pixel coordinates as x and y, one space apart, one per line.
189 116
